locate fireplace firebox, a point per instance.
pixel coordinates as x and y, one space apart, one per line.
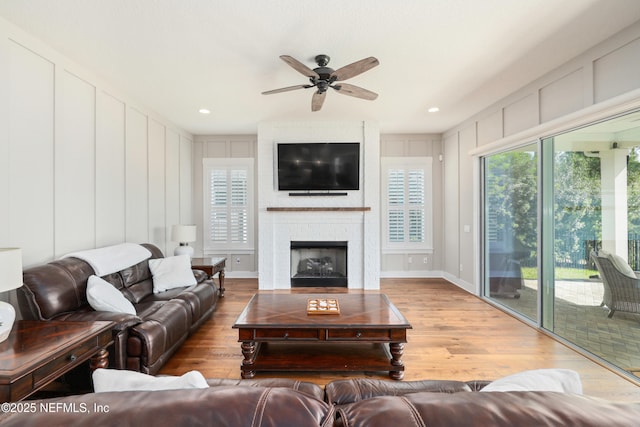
319 264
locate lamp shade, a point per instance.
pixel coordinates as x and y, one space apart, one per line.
183 233
10 269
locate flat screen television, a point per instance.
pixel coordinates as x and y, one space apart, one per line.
320 166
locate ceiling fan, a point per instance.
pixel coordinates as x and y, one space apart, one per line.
323 78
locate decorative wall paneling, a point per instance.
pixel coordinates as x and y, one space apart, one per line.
602 81
82 165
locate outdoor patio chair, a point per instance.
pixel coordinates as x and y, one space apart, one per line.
621 285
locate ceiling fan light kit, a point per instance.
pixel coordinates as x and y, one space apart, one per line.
323 77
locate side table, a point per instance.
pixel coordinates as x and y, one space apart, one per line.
211 266
38 352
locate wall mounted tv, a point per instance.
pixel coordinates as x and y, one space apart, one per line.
323 166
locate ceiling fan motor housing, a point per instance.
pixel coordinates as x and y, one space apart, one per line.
322 60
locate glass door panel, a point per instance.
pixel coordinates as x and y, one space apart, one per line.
596 208
510 200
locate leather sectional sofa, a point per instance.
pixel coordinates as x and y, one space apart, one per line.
344 403
142 342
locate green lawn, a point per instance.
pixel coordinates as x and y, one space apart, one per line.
561 273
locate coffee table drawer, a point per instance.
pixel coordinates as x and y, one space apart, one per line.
286 334
359 334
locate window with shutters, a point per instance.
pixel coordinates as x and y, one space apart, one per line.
406 204
228 203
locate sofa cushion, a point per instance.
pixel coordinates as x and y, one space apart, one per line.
220 406
171 272
560 380
341 392
488 409
165 325
105 380
200 297
102 296
306 387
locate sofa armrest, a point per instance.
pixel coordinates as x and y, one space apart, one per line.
200 275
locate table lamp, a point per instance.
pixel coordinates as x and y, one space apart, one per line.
183 234
10 278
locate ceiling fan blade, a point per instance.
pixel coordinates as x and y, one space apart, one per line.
358 92
286 89
317 100
299 66
355 68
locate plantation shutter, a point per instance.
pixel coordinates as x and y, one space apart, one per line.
396 197
228 203
218 217
407 203
416 207
238 208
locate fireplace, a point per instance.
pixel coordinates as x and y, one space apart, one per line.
319 263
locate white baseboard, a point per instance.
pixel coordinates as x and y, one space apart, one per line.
240 274
469 287
431 274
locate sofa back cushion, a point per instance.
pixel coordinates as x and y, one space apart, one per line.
220 406
137 279
506 409
342 392
55 288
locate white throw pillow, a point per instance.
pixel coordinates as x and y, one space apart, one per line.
171 272
105 380
103 296
561 380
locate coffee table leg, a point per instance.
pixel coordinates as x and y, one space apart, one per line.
249 353
396 349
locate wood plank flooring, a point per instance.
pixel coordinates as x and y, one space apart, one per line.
455 336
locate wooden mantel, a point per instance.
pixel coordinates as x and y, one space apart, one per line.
319 209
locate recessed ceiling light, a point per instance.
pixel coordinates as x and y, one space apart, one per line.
433 110
204 111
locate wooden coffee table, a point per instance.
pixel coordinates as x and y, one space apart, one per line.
277 334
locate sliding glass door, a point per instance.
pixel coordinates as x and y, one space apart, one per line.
596 211
510 229
561 237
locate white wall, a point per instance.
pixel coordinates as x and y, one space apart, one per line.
81 164
602 81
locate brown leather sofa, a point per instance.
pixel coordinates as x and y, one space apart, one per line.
286 402
142 342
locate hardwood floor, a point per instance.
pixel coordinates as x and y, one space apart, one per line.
455 336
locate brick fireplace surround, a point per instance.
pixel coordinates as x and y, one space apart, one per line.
353 218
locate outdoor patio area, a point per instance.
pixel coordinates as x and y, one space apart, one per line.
579 318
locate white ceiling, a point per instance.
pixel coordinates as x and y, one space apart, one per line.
176 57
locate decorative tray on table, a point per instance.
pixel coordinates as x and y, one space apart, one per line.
323 306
